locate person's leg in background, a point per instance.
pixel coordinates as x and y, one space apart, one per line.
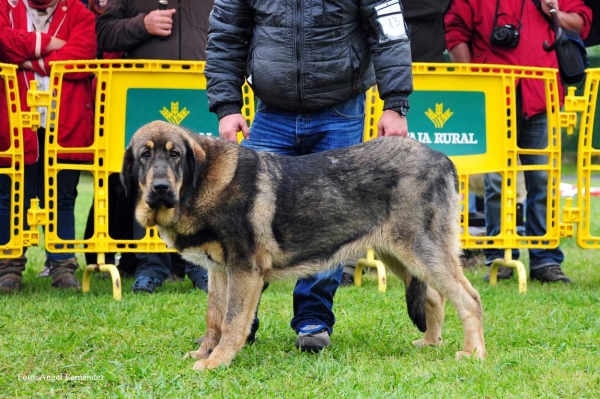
62 266
544 264
153 268
493 206
11 269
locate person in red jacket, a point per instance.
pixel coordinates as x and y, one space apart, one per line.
33 33
512 32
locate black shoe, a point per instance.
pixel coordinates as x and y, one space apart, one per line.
347 279
146 284
504 273
549 274
313 338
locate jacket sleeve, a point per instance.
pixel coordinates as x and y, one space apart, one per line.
17 46
116 31
392 62
231 24
80 45
458 23
579 7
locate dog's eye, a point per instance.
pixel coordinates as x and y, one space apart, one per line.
145 154
174 154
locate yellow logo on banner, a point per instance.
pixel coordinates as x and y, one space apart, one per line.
174 115
439 117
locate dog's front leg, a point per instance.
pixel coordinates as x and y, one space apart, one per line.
243 292
217 300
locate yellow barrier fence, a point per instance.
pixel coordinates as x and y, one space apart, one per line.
588 165
467 111
129 94
12 164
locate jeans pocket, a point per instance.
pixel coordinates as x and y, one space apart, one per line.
353 108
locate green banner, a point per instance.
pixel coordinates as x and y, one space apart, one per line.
452 122
184 107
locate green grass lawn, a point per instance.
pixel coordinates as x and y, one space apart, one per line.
544 344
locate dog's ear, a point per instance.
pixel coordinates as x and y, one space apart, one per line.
127 170
194 160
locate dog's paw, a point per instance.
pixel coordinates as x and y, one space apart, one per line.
420 343
475 354
197 355
209 364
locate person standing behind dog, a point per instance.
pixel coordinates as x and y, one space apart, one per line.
34 33
309 64
141 31
483 31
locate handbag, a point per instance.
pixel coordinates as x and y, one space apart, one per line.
569 48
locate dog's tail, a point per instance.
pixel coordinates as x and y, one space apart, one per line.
415 302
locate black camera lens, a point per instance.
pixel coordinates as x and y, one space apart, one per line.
505 36
500 34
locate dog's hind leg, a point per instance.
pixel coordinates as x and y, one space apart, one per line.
243 292
420 298
444 273
217 299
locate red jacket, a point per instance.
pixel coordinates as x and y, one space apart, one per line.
75 24
472 21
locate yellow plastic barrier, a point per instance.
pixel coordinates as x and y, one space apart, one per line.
468 111
588 162
129 94
13 165
464 110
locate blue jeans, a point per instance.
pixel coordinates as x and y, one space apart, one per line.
290 133
531 133
66 193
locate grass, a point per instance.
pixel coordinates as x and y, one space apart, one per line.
544 344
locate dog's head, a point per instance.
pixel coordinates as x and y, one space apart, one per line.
164 160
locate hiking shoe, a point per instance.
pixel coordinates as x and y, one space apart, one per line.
63 273
313 338
549 274
146 284
504 273
11 274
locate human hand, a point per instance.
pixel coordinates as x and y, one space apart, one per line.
392 124
548 4
159 22
230 125
55 44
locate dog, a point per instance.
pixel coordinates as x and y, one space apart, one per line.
253 217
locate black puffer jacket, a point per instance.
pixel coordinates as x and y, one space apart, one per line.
301 55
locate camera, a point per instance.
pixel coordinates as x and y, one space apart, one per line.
505 36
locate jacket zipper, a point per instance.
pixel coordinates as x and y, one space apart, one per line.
298 49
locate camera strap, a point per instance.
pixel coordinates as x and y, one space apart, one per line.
520 18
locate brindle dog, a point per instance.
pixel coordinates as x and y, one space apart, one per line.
251 217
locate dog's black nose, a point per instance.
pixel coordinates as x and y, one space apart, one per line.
161 186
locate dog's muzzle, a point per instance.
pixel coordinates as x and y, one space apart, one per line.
161 194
